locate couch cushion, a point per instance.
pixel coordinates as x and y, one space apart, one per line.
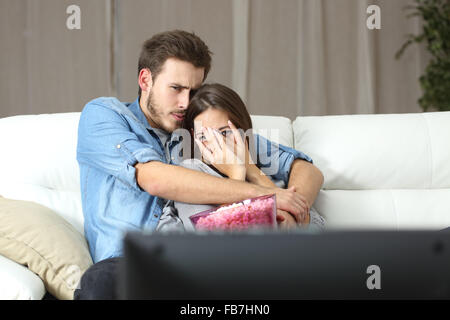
276 129
396 209
381 151
18 282
35 236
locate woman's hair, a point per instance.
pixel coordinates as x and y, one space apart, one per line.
219 97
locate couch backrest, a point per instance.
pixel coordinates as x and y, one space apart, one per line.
38 159
386 171
277 129
382 170
38 162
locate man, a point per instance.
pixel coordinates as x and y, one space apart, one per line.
128 167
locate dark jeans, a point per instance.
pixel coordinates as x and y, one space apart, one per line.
99 282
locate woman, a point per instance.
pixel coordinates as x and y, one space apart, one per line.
216 118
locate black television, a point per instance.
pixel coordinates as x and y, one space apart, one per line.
279 265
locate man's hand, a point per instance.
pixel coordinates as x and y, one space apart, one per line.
285 220
304 218
308 180
294 203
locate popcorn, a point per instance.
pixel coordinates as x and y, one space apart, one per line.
255 212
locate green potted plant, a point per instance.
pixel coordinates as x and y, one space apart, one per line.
435 82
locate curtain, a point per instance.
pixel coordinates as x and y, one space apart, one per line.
317 57
287 58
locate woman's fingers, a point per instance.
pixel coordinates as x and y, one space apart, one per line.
218 137
233 150
206 153
241 144
236 134
248 159
217 140
224 154
230 149
211 138
213 145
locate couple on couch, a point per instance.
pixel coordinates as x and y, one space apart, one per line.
178 149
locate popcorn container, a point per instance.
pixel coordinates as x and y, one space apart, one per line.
259 212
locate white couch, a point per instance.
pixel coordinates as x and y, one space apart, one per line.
389 171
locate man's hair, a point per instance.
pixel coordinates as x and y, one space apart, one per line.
178 44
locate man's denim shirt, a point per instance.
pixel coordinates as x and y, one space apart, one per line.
113 137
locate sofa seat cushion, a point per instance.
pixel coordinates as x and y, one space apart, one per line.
393 209
18 282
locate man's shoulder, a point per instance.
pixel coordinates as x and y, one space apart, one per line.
111 103
107 109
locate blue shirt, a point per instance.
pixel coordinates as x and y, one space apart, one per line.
113 137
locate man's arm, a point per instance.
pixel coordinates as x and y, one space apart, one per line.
190 186
307 179
186 185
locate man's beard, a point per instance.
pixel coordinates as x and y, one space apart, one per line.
155 113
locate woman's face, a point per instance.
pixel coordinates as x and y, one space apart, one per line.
213 118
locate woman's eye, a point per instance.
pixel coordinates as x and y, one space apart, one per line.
226 133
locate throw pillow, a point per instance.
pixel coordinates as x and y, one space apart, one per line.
37 237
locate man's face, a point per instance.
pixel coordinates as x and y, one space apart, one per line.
169 95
